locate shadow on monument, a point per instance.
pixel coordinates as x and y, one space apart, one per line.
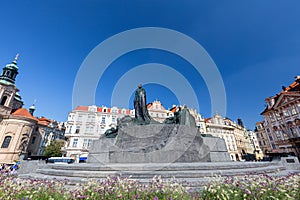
144 140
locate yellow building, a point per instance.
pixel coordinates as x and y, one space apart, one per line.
21 134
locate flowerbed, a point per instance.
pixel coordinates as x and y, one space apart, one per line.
254 187
247 187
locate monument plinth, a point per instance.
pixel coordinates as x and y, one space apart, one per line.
142 140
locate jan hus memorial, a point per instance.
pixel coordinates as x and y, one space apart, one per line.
142 148
143 140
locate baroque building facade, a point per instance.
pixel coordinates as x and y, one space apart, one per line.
158 112
21 134
281 122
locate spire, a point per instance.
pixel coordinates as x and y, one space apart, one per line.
32 108
9 73
16 59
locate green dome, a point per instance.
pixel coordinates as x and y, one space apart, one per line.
12 66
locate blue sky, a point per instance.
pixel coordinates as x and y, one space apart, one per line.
255 45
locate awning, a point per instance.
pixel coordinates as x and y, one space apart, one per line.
82 158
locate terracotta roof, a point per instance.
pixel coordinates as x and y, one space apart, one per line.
292 88
173 109
207 120
44 121
23 112
101 109
81 108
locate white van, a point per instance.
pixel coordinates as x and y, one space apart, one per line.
61 160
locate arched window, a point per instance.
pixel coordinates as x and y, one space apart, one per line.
4 98
6 142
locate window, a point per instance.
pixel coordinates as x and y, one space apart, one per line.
293 111
80 118
77 129
113 119
272 117
277 116
3 101
285 113
270 137
6 142
89 129
87 142
75 142
292 132
278 136
90 142
70 129
33 140
103 120
273 146
91 118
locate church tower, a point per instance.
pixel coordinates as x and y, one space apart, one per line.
10 100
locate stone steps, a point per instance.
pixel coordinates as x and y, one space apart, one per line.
164 167
137 171
192 175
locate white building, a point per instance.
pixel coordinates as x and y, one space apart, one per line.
158 112
87 123
223 128
255 145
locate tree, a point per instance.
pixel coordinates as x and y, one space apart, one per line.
54 148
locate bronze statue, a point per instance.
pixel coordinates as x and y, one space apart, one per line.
111 133
142 116
140 106
182 117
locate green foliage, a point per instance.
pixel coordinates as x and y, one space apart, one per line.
54 148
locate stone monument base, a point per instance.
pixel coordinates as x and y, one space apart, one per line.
158 143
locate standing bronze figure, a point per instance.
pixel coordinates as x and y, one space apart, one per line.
140 106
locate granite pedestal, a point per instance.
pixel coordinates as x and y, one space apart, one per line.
158 143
